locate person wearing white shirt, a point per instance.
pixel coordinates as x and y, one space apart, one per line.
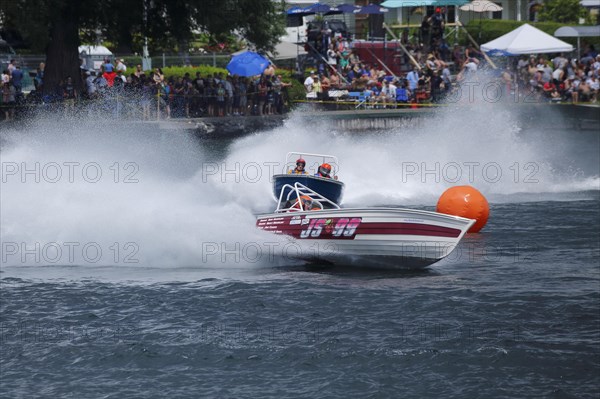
309 82
121 66
388 93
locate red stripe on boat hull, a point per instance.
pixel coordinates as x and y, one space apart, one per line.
407 229
366 228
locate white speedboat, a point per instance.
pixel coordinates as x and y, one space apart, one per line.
388 238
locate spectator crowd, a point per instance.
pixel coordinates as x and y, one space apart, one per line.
432 70
542 78
151 95
561 79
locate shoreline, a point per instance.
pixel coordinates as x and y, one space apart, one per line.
580 117
570 116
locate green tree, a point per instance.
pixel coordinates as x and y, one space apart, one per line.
564 11
58 27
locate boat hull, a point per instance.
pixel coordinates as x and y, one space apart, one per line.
382 238
328 188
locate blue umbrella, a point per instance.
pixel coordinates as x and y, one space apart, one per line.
420 3
247 63
371 9
296 11
319 8
347 8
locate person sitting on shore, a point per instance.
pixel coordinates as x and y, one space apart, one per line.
334 81
555 96
299 170
585 92
594 85
325 84
572 89
548 88
388 93
324 171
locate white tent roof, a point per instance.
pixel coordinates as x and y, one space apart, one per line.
526 40
95 50
590 3
578 31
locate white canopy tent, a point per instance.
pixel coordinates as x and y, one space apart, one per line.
590 3
94 56
481 6
95 50
578 32
526 40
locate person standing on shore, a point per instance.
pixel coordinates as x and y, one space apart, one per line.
5 77
17 78
121 66
39 77
413 79
227 83
90 87
8 100
69 95
309 82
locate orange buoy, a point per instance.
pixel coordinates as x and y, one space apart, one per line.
467 202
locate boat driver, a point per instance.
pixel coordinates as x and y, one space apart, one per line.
306 203
324 171
299 170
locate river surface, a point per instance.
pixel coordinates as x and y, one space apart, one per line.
131 266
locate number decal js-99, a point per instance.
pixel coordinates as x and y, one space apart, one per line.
321 228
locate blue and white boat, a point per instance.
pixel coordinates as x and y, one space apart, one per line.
330 188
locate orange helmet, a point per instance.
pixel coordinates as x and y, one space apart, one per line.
325 169
306 201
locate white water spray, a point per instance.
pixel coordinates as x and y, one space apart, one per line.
161 199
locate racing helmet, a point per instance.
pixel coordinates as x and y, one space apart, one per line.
300 161
307 202
325 169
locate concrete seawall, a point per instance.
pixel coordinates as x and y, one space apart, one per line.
563 116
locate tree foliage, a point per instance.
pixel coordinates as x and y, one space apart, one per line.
57 27
564 11
170 23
